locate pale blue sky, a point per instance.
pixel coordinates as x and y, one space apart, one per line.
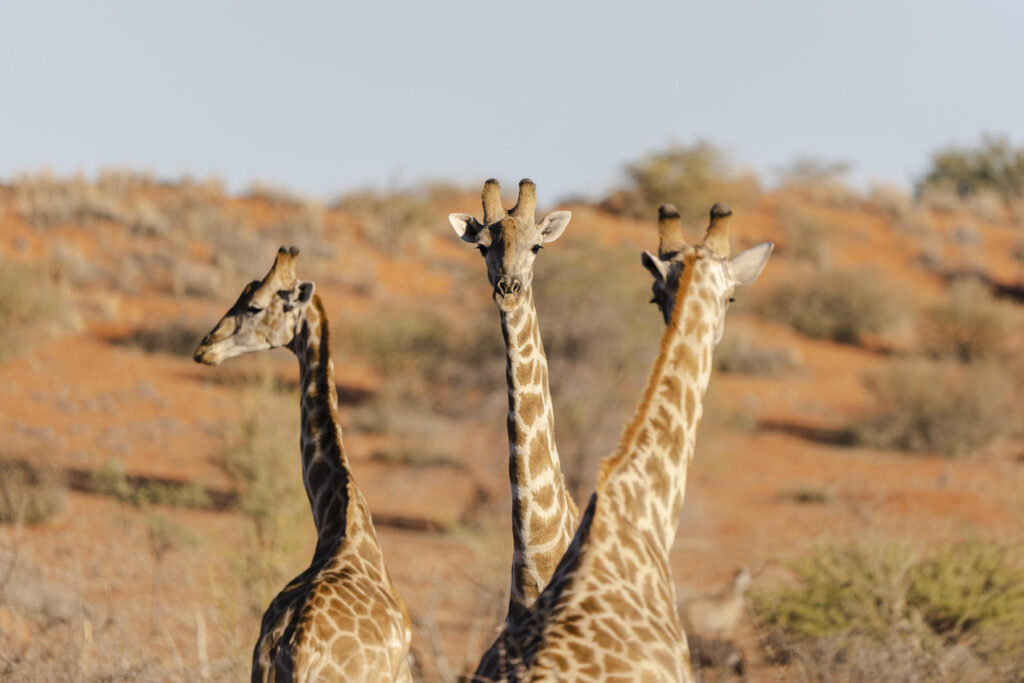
323 97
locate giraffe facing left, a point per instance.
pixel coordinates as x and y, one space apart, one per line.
340 618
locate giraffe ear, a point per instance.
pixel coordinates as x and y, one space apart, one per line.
300 296
657 267
746 266
554 224
465 226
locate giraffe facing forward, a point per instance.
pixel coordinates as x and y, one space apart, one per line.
341 617
544 515
609 612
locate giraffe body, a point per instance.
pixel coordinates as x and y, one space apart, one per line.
340 618
609 612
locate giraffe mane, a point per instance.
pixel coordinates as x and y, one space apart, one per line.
610 463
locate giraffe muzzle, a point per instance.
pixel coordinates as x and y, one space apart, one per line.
507 292
508 286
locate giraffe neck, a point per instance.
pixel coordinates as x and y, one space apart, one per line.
543 513
339 509
647 474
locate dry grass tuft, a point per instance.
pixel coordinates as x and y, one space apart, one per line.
30 493
29 303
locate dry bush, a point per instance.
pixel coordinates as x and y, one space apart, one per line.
394 220
929 406
843 305
693 177
741 354
818 181
968 323
30 493
807 238
29 304
891 610
175 338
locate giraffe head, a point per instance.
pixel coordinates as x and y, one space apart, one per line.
509 241
721 271
267 314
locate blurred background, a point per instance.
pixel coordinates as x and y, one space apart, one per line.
862 450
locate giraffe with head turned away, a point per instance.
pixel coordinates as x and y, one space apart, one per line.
340 618
609 612
544 515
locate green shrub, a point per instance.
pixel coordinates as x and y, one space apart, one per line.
993 165
111 480
30 494
840 589
968 323
932 406
693 177
843 305
968 594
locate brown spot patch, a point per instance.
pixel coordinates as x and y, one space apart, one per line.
544 496
530 408
525 371
540 454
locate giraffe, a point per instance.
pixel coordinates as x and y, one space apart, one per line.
341 617
544 515
609 612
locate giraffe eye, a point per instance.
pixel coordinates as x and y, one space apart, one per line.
536 248
732 300
253 309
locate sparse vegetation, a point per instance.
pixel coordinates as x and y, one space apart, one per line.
693 177
968 323
818 181
111 480
30 493
930 406
262 462
860 598
843 305
807 238
175 338
29 301
395 220
740 354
